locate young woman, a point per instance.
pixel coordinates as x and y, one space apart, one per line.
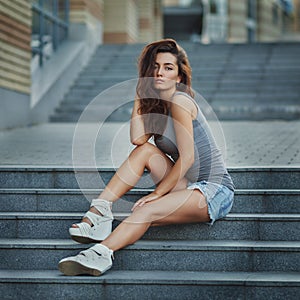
192 183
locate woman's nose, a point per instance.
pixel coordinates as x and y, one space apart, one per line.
159 71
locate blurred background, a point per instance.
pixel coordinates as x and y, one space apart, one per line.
47 46
221 21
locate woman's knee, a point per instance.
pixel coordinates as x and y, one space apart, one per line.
144 149
154 160
144 214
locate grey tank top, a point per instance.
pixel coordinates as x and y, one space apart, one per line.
209 164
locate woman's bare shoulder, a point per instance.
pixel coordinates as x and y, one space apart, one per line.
184 101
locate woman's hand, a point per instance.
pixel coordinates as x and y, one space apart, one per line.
151 197
137 131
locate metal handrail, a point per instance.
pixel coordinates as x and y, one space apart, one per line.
57 25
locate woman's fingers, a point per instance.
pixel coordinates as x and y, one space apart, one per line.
139 203
136 204
144 200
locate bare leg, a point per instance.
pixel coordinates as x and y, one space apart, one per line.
184 206
146 156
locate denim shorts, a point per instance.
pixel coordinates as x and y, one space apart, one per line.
219 198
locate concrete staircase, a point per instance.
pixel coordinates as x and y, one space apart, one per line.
240 81
253 253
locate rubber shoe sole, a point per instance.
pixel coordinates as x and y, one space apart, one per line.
73 268
84 240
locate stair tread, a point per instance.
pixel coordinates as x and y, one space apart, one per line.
134 190
166 245
230 216
156 277
70 168
254 67
224 62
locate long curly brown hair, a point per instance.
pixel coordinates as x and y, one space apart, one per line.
150 102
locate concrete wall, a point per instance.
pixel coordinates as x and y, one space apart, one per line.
86 21
158 27
120 21
296 17
15 45
268 26
237 15
269 21
150 21
132 21
29 93
51 83
15 78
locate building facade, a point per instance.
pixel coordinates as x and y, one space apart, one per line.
44 45
240 21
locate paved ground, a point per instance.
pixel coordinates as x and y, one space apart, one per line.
275 143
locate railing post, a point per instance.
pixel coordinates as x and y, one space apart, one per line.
41 32
67 9
55 25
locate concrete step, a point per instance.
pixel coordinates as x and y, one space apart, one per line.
256 113
273 227
206 82
255 97
91 118
94 106
66 178
246 113
94 76
76 200
93 113
105 114
254 100
228 89
67 118
206 78
274 65
226 94
185 255
136 285
210 72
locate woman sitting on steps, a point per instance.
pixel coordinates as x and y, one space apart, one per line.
192 183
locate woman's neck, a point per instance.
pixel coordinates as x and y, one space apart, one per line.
167 94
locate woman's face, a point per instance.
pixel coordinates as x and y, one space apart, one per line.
165 72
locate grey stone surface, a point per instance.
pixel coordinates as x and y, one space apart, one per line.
274 143
76 200
40 196
56 177
233 227
15 108
263 86
53 80
161 255
150 285
267 201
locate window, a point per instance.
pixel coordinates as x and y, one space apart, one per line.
49 26
213 8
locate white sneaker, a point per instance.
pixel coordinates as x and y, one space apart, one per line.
93 261
101 224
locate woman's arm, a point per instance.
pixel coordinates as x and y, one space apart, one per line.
183 111
137 130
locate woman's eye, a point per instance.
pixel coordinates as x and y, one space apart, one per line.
169 69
